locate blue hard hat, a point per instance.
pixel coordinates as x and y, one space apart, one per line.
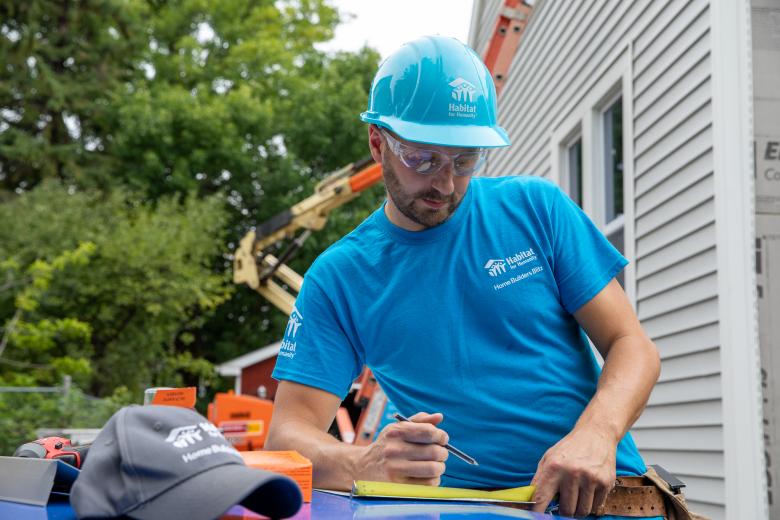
436 90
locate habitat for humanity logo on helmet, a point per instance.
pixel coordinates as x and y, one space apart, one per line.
287 348
463 93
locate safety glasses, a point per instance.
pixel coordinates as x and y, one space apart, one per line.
427 162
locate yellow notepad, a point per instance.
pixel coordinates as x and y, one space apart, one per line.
367 488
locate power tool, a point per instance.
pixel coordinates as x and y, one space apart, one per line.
54 448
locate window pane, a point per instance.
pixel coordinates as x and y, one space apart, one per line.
613 160
575 172
617 240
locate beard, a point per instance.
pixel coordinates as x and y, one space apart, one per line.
405 201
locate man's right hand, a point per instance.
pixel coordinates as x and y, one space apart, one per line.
407 452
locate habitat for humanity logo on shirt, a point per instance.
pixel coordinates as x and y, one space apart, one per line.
287 349
495 267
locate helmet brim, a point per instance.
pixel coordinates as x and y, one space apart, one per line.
462 136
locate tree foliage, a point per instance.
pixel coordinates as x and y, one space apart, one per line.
116 297
64 66
21 415
109 300
139 140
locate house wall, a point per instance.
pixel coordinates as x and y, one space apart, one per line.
659 55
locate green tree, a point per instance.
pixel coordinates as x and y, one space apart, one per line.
64 66
240 100
106 290
23 413
139 141
131 284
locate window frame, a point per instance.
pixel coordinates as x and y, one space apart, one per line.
585 121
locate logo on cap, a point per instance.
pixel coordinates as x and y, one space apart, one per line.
463 91
184 436
210 429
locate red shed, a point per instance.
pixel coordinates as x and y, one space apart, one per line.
253 371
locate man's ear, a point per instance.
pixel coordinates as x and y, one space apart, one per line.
375 143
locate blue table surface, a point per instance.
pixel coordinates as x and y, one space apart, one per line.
323 506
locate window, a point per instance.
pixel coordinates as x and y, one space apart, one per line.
574 169
612 133
613 160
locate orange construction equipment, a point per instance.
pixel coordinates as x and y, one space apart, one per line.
242 419
344 424
183 397
371 417
511 23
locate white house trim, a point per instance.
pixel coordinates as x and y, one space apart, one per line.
734 206
234 367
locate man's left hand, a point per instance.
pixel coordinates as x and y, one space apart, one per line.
580 469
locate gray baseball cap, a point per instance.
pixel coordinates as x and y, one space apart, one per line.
153 462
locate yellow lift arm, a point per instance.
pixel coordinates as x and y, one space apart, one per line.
267 274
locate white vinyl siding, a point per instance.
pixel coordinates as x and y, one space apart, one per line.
565 51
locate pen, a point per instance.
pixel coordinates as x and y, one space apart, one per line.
449 447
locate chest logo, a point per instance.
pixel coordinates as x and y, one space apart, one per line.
496 267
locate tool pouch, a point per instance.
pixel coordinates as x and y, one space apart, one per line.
674 500
646 496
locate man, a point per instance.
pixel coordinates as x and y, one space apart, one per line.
469 298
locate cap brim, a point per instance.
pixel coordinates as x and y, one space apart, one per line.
210 493
464 136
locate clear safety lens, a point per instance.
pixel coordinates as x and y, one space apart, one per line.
427 162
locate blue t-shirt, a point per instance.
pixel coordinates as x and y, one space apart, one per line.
471 318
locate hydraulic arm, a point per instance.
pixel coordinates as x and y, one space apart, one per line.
268 274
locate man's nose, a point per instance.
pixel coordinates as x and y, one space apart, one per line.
444 179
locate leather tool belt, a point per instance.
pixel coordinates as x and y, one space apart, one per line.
648 495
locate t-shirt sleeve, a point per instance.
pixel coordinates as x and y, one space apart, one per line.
315 350
584 261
